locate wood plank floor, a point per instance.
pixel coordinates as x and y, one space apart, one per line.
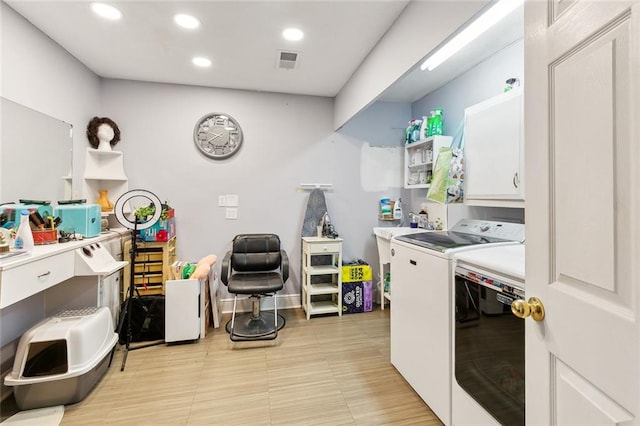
326 371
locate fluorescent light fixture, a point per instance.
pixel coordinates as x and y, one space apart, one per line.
498 11
186 21
292 34
201 62
106 11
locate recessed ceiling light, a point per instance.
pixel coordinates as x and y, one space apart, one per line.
106 11
186 21
201 62
292 34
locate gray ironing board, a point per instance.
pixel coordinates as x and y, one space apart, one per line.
316 208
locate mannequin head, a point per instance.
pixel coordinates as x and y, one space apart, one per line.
105 132
102 128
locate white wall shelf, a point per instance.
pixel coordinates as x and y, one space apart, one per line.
104 170
420 158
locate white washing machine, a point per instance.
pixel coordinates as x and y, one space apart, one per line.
421 312
488 353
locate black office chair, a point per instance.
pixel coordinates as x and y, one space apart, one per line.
255 266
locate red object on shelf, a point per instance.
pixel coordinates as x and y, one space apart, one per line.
45 236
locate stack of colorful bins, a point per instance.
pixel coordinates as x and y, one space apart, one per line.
357 287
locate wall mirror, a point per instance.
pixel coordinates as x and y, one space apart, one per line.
35 155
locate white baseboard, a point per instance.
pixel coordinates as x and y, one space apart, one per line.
285 301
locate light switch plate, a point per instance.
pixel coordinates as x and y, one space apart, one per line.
222 200
231 213
232 200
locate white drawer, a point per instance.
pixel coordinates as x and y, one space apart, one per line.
28 279
318 248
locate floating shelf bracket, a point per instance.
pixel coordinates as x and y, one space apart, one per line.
322 186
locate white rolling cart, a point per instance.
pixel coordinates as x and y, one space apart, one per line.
320 279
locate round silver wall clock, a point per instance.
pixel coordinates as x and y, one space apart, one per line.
218 135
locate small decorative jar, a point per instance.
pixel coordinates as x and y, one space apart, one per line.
103 201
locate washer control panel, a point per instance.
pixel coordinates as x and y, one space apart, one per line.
501 230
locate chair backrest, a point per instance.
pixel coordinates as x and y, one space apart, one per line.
255 253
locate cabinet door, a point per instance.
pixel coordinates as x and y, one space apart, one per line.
494 154
420 329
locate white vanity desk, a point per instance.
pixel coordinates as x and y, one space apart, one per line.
55 277
24 275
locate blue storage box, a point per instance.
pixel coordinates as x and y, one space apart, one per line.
10 210
82 218
161 231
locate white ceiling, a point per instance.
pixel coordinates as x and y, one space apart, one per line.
243 39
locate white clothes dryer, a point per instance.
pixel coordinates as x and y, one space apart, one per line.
488 353
422 282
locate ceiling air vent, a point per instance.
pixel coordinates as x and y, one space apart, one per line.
287 60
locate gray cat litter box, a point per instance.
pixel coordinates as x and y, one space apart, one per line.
61 359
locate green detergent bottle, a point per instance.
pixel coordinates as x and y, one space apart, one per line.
438 122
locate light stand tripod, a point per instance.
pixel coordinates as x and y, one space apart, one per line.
135 226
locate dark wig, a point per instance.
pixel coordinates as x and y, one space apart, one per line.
92 130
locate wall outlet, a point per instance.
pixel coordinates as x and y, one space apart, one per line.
231 200
231 213
222 200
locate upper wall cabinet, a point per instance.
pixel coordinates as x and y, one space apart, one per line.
494 151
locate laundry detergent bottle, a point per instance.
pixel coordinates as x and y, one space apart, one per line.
24 237
397 209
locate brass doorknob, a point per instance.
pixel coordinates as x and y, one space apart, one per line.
532 307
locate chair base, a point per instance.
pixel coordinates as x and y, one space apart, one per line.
249 327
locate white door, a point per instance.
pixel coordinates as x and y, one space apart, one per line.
582 142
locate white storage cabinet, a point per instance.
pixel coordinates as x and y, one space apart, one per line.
494 151
320 279
184 310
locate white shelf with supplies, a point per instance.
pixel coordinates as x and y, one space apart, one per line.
321 278
419 159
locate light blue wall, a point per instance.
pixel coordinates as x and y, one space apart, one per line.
382 124
483 81
288 140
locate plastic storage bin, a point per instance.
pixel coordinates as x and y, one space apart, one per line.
357 297
82 219
61 359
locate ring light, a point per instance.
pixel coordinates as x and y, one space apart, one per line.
118 209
